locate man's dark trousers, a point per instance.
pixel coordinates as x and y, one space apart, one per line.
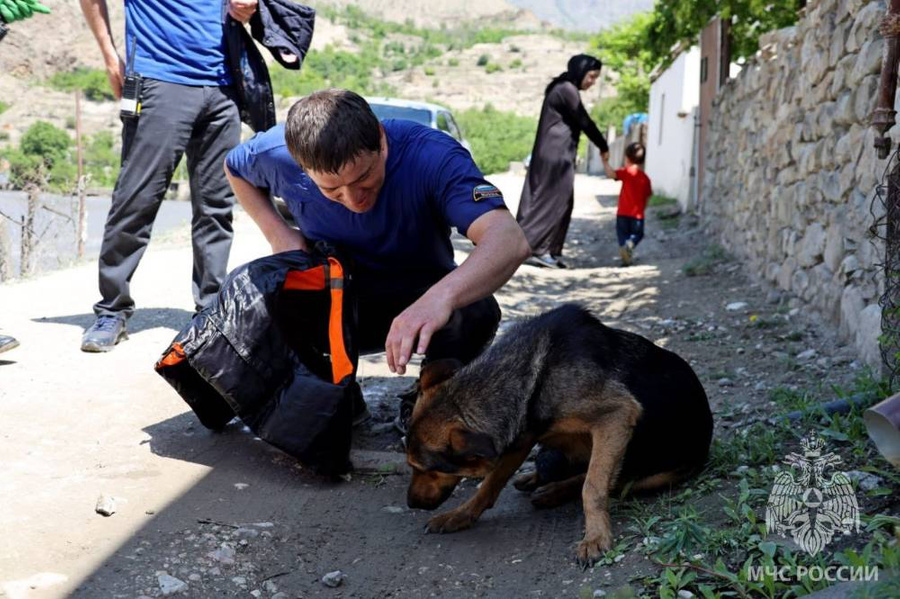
202 123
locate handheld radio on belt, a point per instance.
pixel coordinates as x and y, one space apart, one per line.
130 105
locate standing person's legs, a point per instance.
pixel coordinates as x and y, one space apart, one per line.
152 145
217 131
622 229
559 234
636 231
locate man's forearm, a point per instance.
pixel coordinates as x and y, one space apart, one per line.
256 203
501 250
97 16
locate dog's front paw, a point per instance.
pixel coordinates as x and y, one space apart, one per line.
589 551
451 521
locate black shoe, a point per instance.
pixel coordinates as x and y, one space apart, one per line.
104 334
7 343
545 260
559 262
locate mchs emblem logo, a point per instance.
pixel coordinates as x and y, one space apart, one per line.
813 506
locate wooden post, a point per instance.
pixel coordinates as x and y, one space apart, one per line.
81 229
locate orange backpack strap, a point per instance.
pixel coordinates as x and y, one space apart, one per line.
341 366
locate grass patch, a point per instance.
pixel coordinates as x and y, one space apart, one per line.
4 106
93 82
704 264
704 536
657 201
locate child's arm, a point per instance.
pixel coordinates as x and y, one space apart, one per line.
610 172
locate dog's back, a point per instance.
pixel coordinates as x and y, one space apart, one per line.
574 358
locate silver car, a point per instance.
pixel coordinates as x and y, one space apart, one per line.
430 115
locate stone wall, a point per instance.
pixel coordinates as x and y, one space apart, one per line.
791 171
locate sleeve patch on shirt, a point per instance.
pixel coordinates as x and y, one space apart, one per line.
481 192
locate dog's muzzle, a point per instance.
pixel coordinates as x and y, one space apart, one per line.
428 490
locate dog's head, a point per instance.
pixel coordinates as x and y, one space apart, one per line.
441 449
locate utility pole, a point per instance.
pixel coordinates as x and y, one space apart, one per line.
82 212
883 118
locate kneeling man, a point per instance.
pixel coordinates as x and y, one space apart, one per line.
387 195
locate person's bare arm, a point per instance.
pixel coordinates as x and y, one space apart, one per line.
500 247
610 171
97 16
256 203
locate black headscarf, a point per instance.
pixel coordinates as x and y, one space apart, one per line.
578 67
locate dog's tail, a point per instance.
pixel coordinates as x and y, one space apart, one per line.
661 481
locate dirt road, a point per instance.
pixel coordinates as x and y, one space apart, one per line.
210 515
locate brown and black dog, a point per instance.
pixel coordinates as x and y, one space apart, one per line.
630 412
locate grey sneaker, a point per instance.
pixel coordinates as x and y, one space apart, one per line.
7 343
104 334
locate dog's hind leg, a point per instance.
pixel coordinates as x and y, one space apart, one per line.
609 437
466 514
558 493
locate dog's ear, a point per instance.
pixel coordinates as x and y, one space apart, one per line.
470 444
435 373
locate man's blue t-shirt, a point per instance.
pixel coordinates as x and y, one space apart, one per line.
179 41
431 184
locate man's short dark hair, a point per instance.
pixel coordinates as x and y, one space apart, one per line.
328 129
635 152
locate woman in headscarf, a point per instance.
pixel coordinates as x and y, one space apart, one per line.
548 197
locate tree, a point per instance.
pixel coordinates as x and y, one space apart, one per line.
677 21
625 49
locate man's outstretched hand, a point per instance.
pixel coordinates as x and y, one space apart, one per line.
412 330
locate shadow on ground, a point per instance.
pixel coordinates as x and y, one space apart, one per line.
142 320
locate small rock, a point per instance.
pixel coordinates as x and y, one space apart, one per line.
392 509
246 532
240 486
599 593
619 558
794 312
279 596
735 306
726 382
740 351
106 505
270 587
194 577
760 386
333 579
807 355
169 585
865 480
773 297
683 594
256 593
239 580
223 555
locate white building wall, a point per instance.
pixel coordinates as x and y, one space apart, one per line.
670 132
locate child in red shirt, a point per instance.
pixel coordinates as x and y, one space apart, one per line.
636 191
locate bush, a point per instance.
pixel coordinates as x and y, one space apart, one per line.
93 82
101 159
497 137
483 60
429 71
4 106
515 64
453 62
492 68
47 142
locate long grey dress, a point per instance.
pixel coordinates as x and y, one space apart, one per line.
548 197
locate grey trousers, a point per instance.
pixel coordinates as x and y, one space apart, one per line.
202 123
